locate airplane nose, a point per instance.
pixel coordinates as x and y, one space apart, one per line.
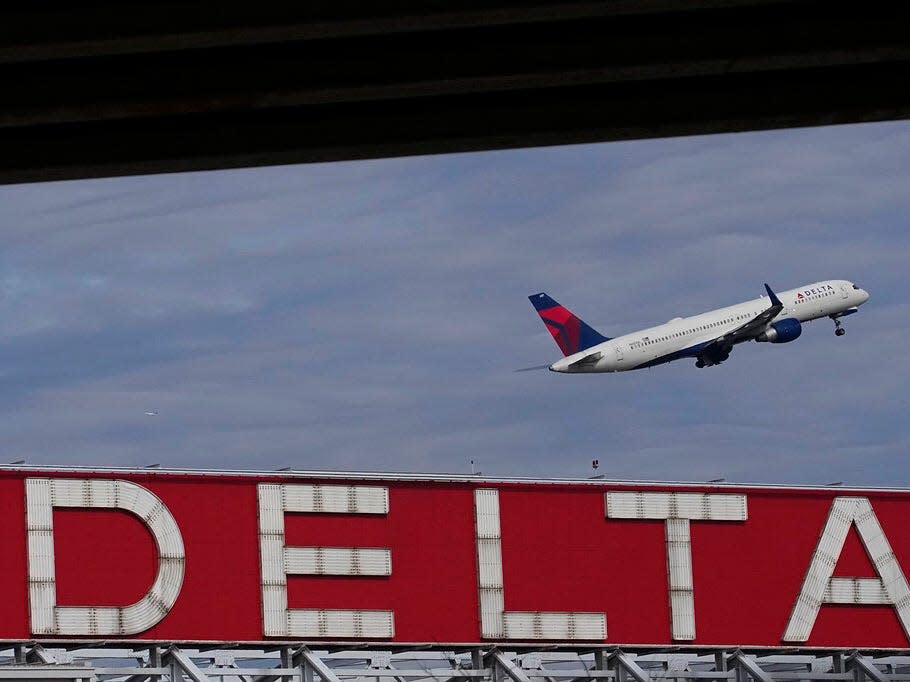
865 295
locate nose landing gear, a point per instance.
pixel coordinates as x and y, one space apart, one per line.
838 330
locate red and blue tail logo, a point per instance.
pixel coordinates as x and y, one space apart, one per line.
570 333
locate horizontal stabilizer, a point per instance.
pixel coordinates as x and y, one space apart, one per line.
587 360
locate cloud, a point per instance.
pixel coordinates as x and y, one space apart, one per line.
369 315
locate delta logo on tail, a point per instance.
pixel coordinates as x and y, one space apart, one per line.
570 333
708 338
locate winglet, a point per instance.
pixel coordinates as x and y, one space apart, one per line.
774 299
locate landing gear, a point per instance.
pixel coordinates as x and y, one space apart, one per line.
713 356
838 330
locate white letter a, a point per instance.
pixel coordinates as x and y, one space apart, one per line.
819 587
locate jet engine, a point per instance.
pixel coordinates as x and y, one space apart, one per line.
782 331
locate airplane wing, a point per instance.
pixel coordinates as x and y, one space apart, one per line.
719 349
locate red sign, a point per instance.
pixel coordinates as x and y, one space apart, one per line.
279 557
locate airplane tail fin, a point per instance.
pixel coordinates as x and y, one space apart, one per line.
570 332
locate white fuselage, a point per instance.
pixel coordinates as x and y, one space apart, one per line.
681 337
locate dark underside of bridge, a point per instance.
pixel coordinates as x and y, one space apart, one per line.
103 88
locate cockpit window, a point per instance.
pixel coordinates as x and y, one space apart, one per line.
856 287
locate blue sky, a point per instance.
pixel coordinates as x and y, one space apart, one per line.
369 315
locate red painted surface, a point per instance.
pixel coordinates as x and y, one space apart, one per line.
560 553
86 542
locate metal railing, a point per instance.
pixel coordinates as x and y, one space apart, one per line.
167 662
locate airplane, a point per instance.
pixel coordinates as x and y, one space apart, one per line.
708 338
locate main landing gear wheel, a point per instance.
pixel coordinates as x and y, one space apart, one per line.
838 330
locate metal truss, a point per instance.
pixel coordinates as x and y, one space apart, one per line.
236 663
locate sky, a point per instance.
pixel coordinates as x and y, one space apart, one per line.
369 315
